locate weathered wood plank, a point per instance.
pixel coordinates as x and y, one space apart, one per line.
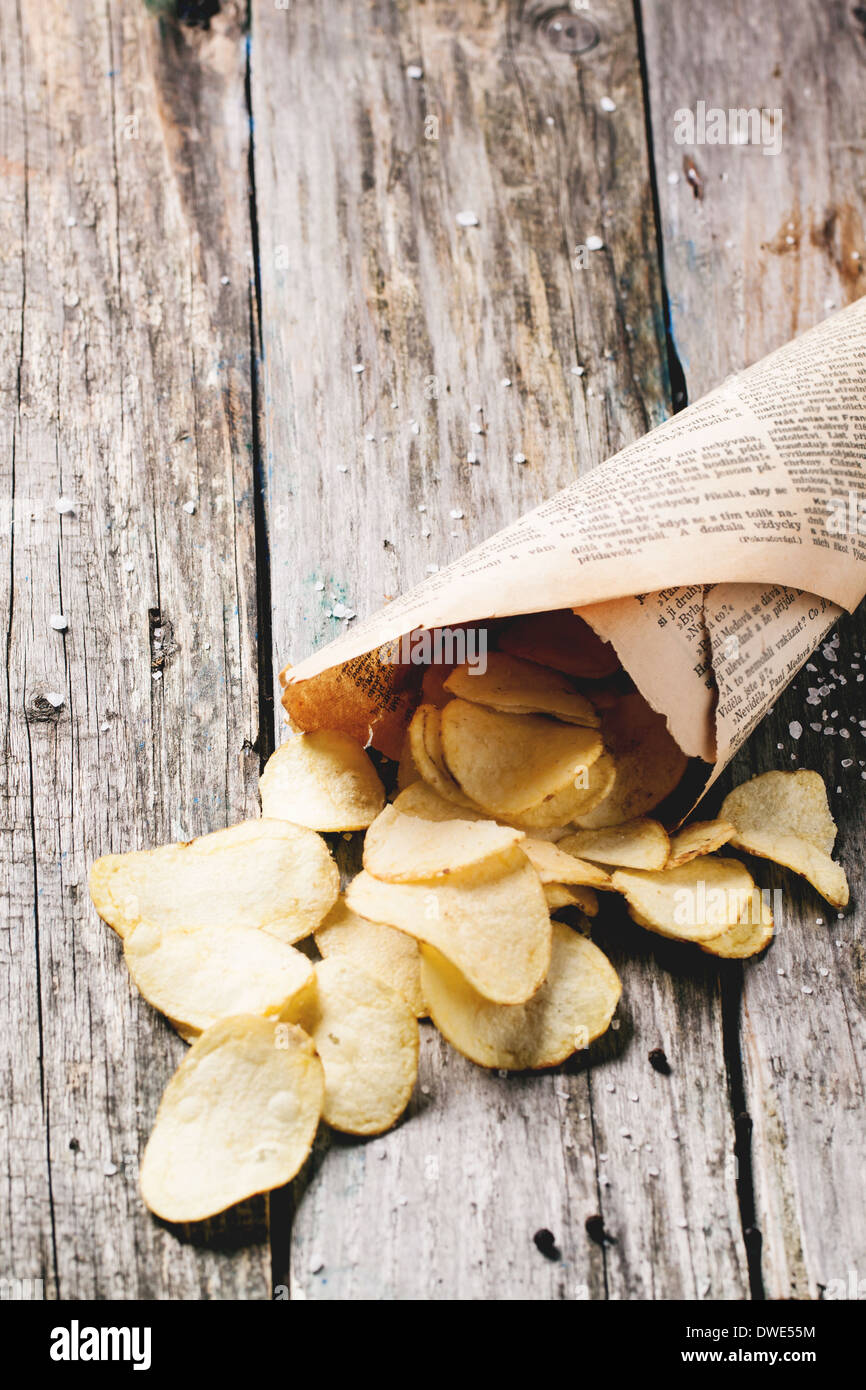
125 343
361 170
771 244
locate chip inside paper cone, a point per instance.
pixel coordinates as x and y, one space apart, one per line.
323 780
695 902
515 686
197 977
565 808
572 1008
238 1117
492 922
267 874
784 816
402 849
367 1038
701 837
425 750
636 844
379 950
420 799
508 763
364 698
562 640
649 763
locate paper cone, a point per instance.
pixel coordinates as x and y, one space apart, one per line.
714 553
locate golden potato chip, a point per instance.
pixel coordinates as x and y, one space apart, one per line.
784 816
554 866
694 902
402 849
561 810
507 763
514 686
701 837
649 763
425 746
379 950
367 1038
491 920
197 977
560 895
267 874
433 685
746 937
421 800
574 1005
324 781
636 844
562 640
238 1117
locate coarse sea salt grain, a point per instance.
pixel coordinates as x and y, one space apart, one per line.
457 514
467 219
59 622
519 458
607 104
414 72
594 243
55 698
795 728
64 505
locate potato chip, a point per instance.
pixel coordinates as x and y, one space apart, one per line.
433 685
344 697
562 640
747 937
238 1117
784 816
421 800
197 977
425 746
694 902
521 687
649 763
367 1038
507 763
574 1005
267 874
701 837
556 813
379 950
323 780
636 844
402 849
554 866
559 895
492 921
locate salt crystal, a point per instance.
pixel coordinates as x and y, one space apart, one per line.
844 733
129 566
104 728
414 71
506 381
342 468
607 104
59 622
358 367
432 569
780 971
64 505
807 989
683 1224
594 243
549 120
847 762
55 698
819 921
415 427
370 438
673 178
824 971
653 1172
519 458
224 280
422 507
467 219
475 428
795 728
471 457
578 371
109 1169
457 514
319 588
189 507
626 1133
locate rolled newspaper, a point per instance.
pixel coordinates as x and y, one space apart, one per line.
714 554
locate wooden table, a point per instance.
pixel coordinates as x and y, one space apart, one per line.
205 233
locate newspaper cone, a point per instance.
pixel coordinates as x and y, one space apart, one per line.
714 553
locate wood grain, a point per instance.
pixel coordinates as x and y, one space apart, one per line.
363 264
125 342
772 244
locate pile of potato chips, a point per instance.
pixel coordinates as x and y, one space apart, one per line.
523 788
